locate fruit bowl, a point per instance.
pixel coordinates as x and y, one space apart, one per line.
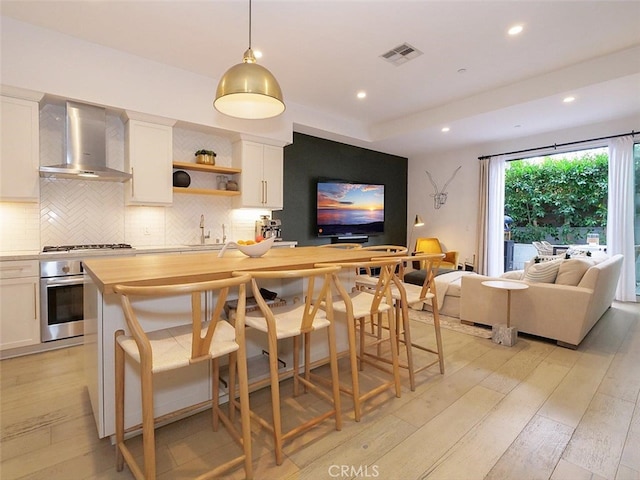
255 250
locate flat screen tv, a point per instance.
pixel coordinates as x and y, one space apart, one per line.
346 209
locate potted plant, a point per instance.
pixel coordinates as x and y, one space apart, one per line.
207 157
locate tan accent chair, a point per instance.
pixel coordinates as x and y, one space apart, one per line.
432 245
297 321
176 348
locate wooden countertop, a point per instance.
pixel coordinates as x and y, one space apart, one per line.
165 269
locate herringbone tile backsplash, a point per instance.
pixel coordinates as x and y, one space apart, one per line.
82 212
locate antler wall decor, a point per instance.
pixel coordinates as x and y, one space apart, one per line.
440 197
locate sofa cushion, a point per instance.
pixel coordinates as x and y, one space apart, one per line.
544 272
571 271
455 288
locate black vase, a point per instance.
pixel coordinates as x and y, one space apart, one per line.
181 179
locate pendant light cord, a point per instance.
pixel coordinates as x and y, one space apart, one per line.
249 23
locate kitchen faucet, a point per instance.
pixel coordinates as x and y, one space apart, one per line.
202 235
224 235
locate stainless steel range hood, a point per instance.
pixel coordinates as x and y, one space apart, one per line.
86 147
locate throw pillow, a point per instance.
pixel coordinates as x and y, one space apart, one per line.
549 258
544 272
513 275
572 271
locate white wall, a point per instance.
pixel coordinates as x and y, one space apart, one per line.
45 61
455 223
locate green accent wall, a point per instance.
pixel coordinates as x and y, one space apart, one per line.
309 158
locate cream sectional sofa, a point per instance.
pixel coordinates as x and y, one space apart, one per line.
564 313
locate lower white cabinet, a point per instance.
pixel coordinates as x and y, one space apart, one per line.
19 304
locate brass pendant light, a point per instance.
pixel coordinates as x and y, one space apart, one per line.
248 90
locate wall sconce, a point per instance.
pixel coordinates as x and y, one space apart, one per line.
418 222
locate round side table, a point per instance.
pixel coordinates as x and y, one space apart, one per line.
501 334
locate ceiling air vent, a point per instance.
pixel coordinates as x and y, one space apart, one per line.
401 54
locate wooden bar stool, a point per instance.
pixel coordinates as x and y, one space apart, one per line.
178 347
357 306
297 321
407 294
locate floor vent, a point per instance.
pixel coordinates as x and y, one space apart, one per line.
401 54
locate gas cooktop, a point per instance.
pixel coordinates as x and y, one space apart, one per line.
97 246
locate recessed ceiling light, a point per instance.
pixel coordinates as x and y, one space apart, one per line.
462 70
516 29
361 94
257 53
445 129
568 99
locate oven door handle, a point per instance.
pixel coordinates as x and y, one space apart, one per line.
60 281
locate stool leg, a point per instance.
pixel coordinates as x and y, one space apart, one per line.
307 359
119 368
215 394
240 362
403 318
148 432
394 352
233 359
296 366
436 326
275 397
362 338
335 377
353 359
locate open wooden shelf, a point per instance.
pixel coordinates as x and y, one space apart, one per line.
199 167
206 191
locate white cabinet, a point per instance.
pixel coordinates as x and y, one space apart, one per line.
20 156
19 305
148 157
262 175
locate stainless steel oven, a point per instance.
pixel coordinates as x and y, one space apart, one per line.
62 291
61 299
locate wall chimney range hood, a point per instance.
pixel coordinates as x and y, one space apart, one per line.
86 147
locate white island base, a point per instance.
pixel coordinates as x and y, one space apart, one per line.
175 390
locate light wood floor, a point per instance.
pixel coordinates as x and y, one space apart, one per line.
530 411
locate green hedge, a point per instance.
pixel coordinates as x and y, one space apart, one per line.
558 200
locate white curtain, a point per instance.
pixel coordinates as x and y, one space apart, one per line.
495 229
620 213
482 252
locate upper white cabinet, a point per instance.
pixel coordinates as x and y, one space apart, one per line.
262 175
148 157
20 157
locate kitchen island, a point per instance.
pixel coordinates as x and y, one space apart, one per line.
103 316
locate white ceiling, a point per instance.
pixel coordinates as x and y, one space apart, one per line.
324 51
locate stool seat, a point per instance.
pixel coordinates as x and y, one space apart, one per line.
172 347
287 321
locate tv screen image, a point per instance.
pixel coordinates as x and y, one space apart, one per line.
349 209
